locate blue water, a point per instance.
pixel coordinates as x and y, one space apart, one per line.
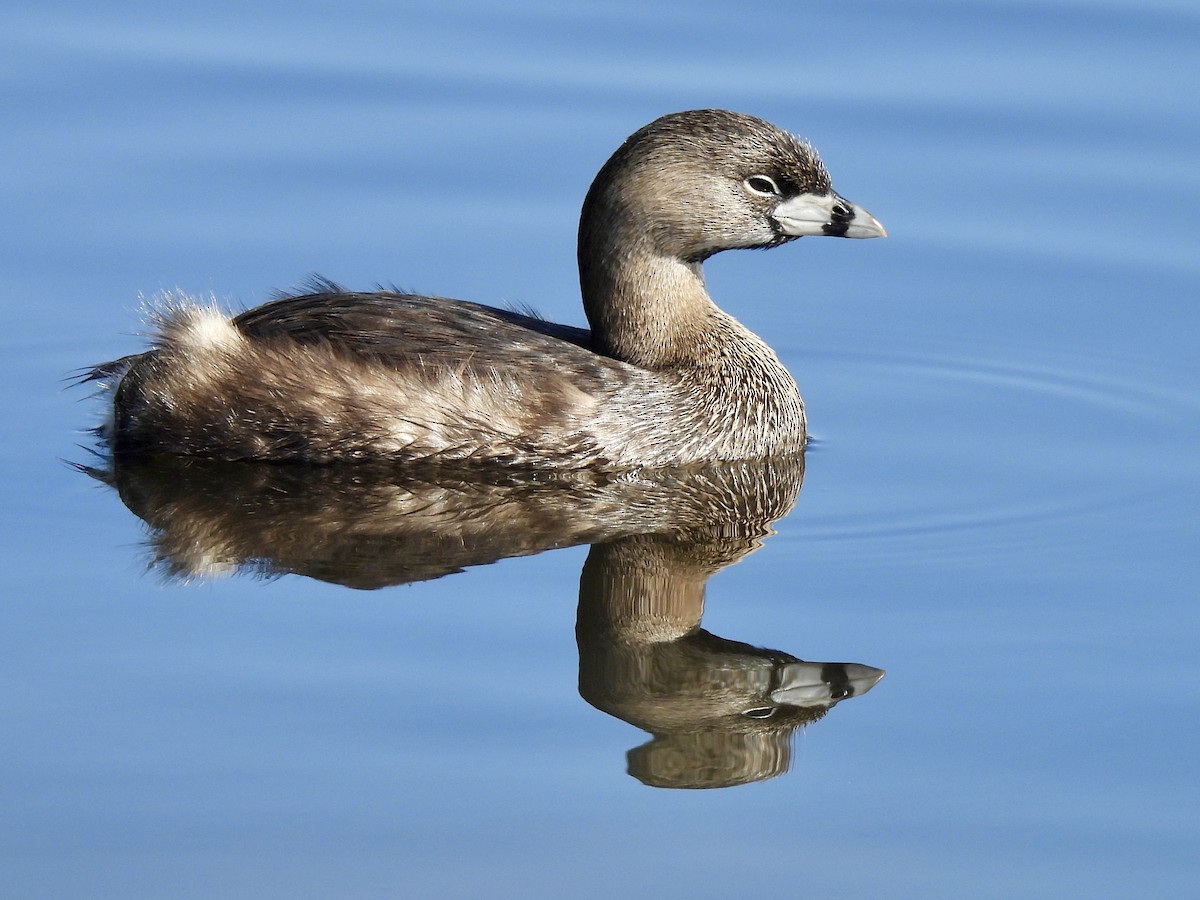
999 507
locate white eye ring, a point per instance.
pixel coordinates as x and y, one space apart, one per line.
763 185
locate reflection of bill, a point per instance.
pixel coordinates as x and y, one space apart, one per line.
721 712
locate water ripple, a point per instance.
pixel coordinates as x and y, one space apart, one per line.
993 445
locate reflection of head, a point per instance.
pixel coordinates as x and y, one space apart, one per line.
722 712
713 758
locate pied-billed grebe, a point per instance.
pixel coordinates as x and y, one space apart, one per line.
662 378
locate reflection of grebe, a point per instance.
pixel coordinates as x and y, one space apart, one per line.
721 712
663 377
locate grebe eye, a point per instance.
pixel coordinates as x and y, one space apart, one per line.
761 712
762 184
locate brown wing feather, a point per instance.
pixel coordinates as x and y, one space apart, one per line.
407 326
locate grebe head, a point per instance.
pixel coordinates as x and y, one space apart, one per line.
682 188
694 183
